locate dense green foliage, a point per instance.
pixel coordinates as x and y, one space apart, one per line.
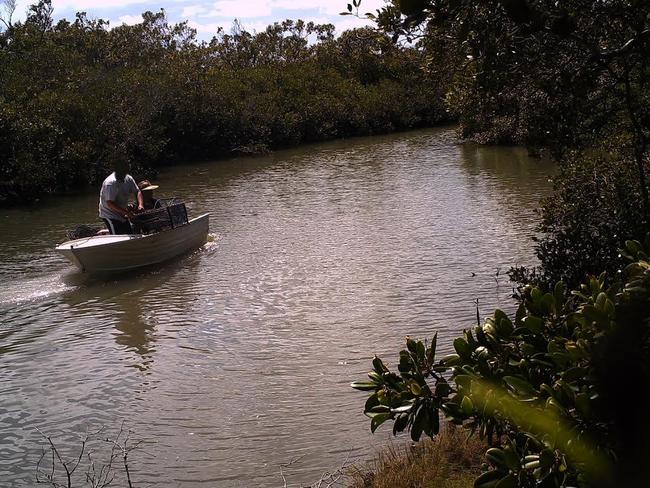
594 208
74 95
562 74
555 391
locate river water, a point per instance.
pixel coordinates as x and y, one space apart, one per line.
236 359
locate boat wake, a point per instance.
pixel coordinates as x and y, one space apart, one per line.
35 288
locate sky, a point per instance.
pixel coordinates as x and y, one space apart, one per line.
206 16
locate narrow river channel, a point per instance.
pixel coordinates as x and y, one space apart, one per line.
235 359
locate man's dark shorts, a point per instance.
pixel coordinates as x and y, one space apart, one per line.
118 227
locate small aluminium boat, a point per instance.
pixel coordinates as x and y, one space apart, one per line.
100 253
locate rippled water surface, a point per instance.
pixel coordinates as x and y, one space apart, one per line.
235 359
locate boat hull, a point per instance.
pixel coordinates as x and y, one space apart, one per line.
124 252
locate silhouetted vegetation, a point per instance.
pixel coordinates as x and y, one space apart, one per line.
75 94
555 389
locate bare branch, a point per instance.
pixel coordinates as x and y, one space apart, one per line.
7 9
328 480
286 465
96 476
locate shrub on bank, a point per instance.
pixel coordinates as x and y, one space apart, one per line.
71 92
555 391
596 206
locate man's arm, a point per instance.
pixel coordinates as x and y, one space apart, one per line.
119 210
140 200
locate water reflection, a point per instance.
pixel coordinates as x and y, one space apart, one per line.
137 333
507 172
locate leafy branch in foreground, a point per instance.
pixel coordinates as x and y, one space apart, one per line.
555 391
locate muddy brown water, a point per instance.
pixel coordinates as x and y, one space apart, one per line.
235 359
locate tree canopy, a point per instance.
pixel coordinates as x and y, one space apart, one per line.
74 91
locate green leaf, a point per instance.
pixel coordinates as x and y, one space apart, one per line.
377 420
532 465
511 458
378 365
380 409
583 405
415 388
466 405
499 315
416 428
411 345
431 352
374 376
402 409
463 381
558 293
548 303
633 247
575 373
532 323
400 424
364 385
435 423
488 479
372 401
442 389
546 458
420 350
496 457
521 313
520 386
462 347
508 482
450 360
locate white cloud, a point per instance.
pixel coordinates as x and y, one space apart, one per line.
235 9
84 5
206 16
331 7
257 26
208 30
129 19
347 23
193 11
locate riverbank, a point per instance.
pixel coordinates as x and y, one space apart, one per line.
451 460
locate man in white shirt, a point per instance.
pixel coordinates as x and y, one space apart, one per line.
114 200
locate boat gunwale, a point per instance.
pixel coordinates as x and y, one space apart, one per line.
68 245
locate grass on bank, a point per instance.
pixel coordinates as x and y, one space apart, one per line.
452 460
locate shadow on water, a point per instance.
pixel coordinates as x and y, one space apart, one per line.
134 299
507 172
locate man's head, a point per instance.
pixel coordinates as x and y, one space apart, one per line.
121 168
119 161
